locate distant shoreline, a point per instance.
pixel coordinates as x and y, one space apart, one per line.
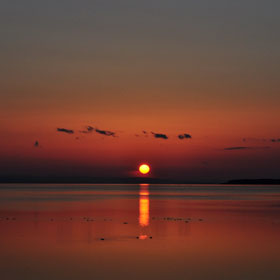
131 180
254 182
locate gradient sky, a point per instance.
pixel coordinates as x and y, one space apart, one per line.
206 68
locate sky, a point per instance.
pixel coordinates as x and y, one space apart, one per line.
207 69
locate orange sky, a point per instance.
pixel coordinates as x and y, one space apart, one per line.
208 70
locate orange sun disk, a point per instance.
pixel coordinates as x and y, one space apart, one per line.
144 168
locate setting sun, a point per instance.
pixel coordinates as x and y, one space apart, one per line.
144 168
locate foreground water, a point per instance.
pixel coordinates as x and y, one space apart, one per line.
139 232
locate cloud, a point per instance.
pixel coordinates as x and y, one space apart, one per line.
145 133
89 129
69 131
160 135
245 148
273 140
253 139
236 148
105 132
184 136
36 144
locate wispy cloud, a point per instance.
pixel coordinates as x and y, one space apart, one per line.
65 130
245 148
251 139
236 148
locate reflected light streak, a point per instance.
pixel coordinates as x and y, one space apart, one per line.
144 205
143 236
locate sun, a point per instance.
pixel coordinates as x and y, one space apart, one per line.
144 168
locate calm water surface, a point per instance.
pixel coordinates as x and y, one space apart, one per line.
139 232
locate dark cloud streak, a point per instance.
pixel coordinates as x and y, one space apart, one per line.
160 135
245 148
90 129
65 130
184 136
105 132
236 148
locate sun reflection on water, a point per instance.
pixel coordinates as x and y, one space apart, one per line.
144 205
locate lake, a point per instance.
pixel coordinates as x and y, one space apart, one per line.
139 231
